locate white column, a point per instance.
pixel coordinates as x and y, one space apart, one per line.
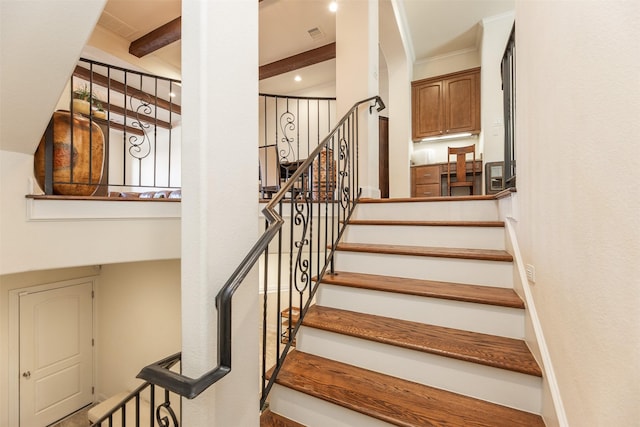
357 79
220 195
399 101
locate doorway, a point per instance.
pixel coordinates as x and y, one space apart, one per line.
55 351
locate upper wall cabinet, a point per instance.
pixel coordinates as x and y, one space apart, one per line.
446 104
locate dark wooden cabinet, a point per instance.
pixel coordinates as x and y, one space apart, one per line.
425 181
446 104
431 180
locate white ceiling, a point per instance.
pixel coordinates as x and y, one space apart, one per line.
436 27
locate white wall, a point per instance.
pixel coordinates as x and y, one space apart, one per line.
38 234
577 123
26 108
395 85
448 63
357 69
138 321
495 34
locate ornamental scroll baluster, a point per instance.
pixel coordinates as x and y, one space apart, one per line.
140 147
287 125
302 208
163 421
344 158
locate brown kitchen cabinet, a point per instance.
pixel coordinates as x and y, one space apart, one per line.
446 104
431 180
425 181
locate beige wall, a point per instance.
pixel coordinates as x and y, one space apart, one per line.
578 103
138 321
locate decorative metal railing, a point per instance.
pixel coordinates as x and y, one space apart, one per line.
291 127
509 103
148 405
320 197
120 133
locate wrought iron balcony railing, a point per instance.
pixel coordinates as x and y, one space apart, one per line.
120 133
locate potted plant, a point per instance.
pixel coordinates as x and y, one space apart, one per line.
97 109
87 103
81 100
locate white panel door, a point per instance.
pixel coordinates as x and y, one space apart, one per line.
56 361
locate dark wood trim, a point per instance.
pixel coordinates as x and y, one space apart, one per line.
115 85
156 39
426 251
304 59
269 419
427 223
98 198
118 126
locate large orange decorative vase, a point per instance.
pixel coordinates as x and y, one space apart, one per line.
77 170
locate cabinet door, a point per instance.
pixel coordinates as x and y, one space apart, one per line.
461 103
427 114
425 181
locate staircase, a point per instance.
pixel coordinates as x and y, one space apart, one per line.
419 326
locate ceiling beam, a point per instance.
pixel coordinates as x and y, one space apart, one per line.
156 39
304 59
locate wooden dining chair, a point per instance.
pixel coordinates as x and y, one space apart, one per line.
460 165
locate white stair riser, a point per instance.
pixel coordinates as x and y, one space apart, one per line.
473 272
483 318
437 236
313 412
495 385
476 210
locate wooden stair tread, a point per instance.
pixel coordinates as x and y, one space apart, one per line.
427 223
489 350
396 401
460 253
269 419
502 297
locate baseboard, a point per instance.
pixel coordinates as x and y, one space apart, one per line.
558 417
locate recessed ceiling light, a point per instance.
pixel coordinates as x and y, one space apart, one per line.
333 6
297 78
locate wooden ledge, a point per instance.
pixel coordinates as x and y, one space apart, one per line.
505 193
98 198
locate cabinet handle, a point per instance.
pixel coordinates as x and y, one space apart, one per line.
427 193
427 175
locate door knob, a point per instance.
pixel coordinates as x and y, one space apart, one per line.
27 374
